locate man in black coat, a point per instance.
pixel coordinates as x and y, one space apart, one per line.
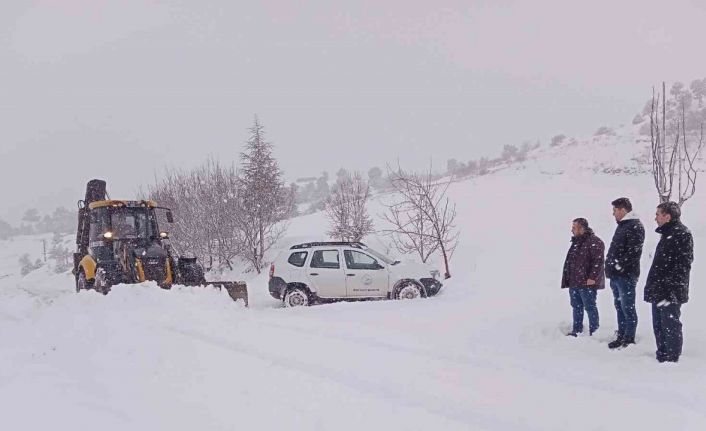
667 286
584 274
622 267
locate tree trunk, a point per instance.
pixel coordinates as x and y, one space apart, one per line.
447 273
256 260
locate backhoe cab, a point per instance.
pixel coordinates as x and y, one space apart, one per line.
119 241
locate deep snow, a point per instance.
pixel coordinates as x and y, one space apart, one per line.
488 353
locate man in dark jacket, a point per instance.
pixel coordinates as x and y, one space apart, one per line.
667 286
583 274
622 267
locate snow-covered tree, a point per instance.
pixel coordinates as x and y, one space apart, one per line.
60 254
510 152
31 215
347 210
452 166
27 266
698 89
557 140
60 220
604 131
6 231
322 188
675 148
375 179
342 174
206 207
265 202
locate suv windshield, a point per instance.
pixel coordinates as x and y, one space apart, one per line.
130 223
382 257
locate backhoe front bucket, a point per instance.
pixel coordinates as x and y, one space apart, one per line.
236 289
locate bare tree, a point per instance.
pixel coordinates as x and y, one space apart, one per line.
346 208
412 232
265 202
423 217
673 162
206 206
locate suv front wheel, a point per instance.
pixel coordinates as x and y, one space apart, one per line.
408 290
296 297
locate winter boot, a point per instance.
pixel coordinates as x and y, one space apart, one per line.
618 342
627 341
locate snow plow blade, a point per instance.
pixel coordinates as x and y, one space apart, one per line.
236 289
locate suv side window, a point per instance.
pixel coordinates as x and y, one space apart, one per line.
298 258
325 259
358 260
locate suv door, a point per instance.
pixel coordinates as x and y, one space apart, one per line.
365 277
326 274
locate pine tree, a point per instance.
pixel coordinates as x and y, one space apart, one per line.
6 230
266 202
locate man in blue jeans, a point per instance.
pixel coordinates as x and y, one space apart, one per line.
622 267
667 286
583 274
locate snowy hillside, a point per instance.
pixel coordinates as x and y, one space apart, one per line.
488 353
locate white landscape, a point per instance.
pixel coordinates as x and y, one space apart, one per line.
488 353
147 147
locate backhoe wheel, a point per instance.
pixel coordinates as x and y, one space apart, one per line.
296 297
101 283
409 290
82 283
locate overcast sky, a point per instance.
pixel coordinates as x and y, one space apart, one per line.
121 89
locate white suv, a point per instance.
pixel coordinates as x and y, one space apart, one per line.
329 271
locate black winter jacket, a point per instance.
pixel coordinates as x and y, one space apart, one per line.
625 251
668 279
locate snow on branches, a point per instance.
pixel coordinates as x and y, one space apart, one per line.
346 208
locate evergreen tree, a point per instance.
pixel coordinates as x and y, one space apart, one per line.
265 200
6 230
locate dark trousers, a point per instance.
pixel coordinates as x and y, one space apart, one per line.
584 298
624 301
668 331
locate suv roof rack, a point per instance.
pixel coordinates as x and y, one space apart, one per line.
325 243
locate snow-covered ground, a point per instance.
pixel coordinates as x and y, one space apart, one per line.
488 353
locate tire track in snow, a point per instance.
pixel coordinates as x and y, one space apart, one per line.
459 414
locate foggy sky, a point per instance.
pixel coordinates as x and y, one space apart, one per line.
122 89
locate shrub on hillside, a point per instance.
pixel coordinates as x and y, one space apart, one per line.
557 140
26 265
604 131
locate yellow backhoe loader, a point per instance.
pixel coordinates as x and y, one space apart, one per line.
119 241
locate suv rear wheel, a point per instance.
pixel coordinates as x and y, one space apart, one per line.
296 297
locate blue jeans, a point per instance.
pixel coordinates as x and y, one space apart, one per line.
668 331
624 301
584 298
